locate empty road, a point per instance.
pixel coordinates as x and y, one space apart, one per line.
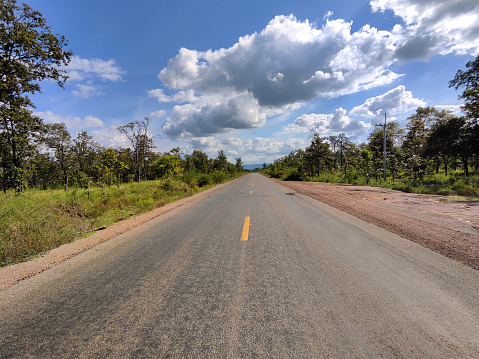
251 271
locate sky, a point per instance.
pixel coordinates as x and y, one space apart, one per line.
256 79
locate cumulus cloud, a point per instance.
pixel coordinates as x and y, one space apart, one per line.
157 114
291 62
288 62
454 109
209 118
109 137
86 91
70 121
393 102
434 27
328 124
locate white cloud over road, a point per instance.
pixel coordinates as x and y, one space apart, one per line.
292 62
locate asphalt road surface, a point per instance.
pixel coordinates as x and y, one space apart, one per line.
300 280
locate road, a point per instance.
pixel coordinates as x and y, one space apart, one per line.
300 280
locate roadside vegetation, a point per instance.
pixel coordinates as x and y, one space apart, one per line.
36 220
437 152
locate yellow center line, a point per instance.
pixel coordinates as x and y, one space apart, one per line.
244 235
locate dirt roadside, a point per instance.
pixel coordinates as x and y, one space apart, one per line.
447 225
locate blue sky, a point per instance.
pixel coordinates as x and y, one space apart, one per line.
254 78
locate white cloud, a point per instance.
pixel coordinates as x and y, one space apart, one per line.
110 137
157 114
455 109
393 102
84 69
288 63
70 121
202 119
86 91
435 27
291 62
85 73
328 124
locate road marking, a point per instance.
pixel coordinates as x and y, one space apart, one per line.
244 235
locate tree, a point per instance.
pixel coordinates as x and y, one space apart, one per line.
239 165
221 162
317 156
58 138
167 166
376 144
137 134
198 161
470 81
29 53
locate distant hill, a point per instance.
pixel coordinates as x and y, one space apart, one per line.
254 166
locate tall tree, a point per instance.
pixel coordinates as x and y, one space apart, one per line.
29 53
469 80
317 157
141 143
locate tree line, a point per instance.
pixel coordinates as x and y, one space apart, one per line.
56 160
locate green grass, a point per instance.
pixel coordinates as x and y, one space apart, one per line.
455 183
37 220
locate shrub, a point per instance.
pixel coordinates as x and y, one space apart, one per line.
205 180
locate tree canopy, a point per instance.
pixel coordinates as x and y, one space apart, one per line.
29 53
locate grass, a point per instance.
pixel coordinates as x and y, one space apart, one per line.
37 220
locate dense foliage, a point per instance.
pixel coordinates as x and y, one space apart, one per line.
29 53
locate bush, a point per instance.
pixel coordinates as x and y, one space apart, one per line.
219 176
205 180
294 176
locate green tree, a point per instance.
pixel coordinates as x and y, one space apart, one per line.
198 162
376 144
57 138
221 162
317 157
167 166
469 80
29 53
239 165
